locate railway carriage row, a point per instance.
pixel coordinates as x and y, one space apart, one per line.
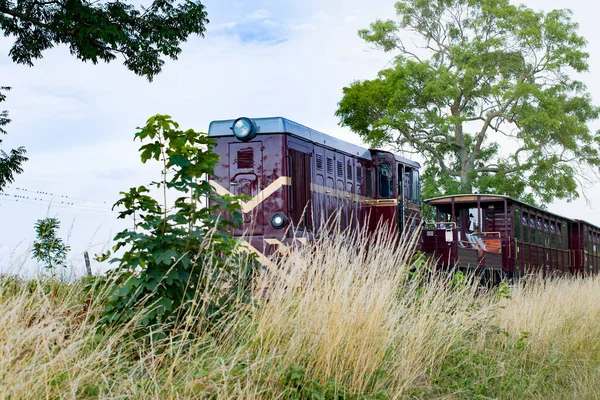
297 176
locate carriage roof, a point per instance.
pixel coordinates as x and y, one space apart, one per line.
282 125
469 198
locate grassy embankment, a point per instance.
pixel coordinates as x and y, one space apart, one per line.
337 323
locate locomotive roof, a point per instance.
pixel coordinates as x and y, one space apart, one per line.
283 125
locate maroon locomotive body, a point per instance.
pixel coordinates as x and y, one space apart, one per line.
297 179
507 237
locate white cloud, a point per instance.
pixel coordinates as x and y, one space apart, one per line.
260 14
302 27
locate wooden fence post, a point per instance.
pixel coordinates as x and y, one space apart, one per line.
88 267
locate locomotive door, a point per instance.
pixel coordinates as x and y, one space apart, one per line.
245 177
300 209
401 197
386 203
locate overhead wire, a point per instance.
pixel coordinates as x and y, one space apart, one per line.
52 203
44 193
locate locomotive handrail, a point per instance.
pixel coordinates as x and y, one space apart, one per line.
487 233
441 223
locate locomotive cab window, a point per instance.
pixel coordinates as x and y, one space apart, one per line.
369 175
416 186
385 178
406 182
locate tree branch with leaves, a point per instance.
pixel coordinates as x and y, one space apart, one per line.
11 162
100 31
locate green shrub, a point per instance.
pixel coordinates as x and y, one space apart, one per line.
179 262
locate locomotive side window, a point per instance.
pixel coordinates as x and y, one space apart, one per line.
386 180
407 178
369 182
416 187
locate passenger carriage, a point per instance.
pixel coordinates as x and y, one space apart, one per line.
299 178
507 237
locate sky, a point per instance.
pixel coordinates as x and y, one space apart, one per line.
259 58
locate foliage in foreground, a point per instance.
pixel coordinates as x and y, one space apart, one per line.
468 78
334 323
180 260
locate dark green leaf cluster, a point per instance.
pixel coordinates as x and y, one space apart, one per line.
99 31
48 248
179 261
485 96
10 163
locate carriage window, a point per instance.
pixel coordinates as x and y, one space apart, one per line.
562 230
349 171
539 224
552 227
532 222
385 180
359 174
517 226
340 169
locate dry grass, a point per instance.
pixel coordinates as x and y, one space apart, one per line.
336 321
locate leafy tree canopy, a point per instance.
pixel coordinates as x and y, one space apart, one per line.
99 31
470 75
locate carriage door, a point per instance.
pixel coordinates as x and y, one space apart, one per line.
300 209
245 178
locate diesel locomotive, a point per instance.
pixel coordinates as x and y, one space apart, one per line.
298 176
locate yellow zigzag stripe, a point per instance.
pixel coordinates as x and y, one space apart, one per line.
264 260
250 205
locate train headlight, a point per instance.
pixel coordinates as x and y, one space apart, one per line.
243 129
279 220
